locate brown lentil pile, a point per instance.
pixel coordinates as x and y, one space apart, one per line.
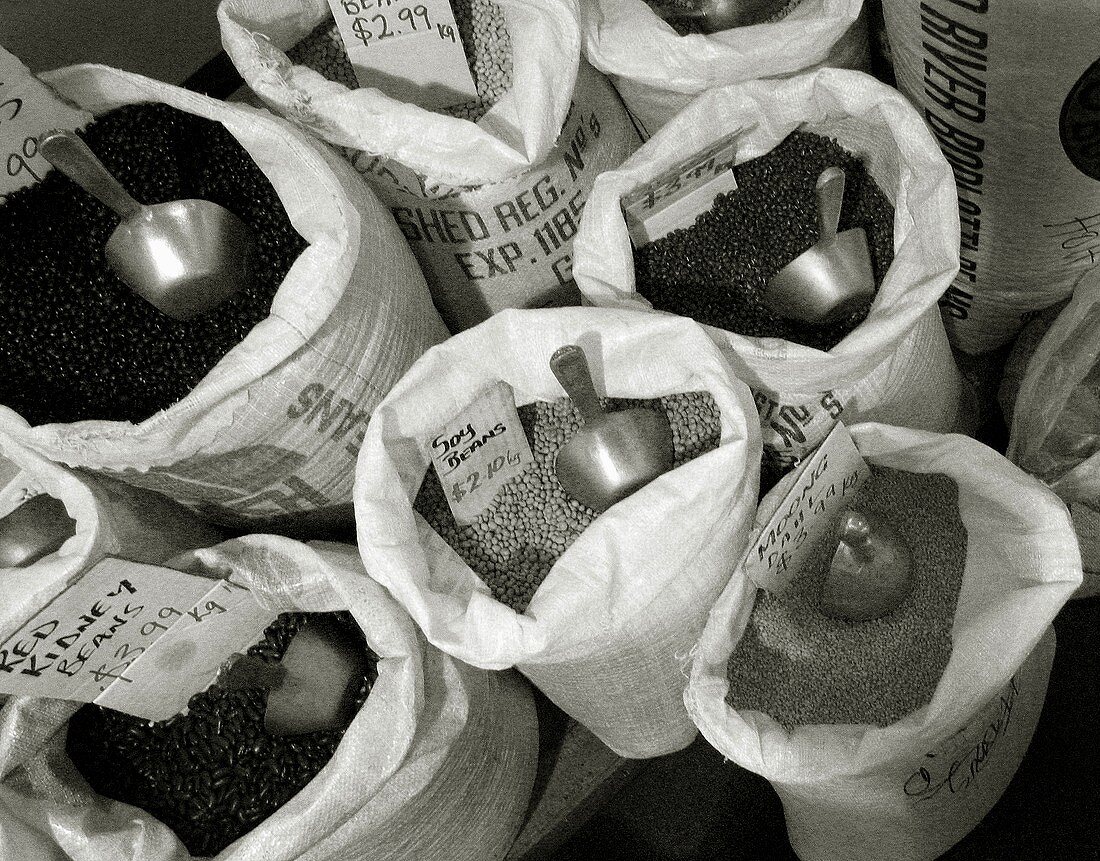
214 773
715 271
485 39
802 667
532 521
75 341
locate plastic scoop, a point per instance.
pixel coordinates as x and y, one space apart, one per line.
184 257
613 454
35 529
833 277
870 572
714 16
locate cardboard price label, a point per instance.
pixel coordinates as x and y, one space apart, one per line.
480 451
812 508
137 638
409 49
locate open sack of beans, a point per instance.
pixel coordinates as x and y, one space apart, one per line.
437 761
255 409
660 54
598 610
892 736
488 192
886 360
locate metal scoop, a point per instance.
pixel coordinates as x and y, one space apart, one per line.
184 257
714 16
613 454
870 573
34 530
833 277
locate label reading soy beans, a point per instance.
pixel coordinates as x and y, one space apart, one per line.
27 109
409 49
822 489
137 638
479 451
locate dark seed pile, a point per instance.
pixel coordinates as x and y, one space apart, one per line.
214 773
802 667
765 13
76 342
532 521
716 270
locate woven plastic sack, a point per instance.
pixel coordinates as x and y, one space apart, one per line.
438 763
911 790
606 631
657 71
894 367
489 208
1009 89
273 430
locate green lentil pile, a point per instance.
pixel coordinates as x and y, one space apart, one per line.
532 521
802 667
484 36
214 773
715 271
76 342
773 12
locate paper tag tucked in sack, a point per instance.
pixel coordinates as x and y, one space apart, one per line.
479 451
409 49
825 485
137 638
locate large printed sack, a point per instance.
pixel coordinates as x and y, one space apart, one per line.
438 763
910 790
489 208
1010 91
1054 416
605 634
273 430
894 367
657 71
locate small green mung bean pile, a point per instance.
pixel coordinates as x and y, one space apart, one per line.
76 342
484 36
214 773
532 521
715 271
802 667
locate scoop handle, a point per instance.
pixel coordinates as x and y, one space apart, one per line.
830 200
571 369
856 532
69 154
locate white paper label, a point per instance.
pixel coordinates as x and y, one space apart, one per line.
480 451
676 197
27 109
825 485
138 638
409 49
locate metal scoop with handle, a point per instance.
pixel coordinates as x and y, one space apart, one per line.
613 454
34 530
184 257
833 277
714 16
870 574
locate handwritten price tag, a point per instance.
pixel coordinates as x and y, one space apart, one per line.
27 108
811 509
138 638
409 49
480 451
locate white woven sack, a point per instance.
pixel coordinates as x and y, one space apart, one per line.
489 208
894 367
438 765
274 428
1010 90
911 790
657 71
605 634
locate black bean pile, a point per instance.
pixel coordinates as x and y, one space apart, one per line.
76 342
803 667
532 521
212 774
715 271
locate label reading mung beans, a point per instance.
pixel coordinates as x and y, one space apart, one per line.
136 638
479 451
